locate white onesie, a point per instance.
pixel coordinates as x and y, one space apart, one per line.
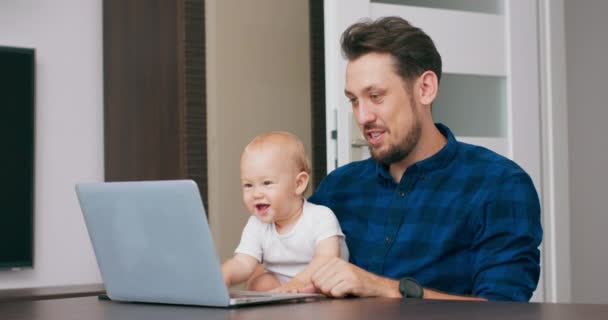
288 254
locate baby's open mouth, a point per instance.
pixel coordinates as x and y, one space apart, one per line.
262 207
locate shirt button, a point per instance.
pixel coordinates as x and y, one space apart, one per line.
402 194
387 239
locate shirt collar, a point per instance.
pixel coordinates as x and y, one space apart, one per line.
436 161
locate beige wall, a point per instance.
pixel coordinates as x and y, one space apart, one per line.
258 79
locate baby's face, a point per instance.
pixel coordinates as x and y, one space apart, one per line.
269 185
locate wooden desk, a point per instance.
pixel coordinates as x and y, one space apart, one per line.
346 309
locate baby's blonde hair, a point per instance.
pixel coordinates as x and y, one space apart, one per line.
289 145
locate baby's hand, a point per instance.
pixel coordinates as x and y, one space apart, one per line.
290 287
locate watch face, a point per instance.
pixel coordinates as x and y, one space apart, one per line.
410 288
413 289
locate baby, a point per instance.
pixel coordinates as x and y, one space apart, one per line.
289 235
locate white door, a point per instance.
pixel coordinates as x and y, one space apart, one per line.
489 93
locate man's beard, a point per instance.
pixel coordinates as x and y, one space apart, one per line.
401 150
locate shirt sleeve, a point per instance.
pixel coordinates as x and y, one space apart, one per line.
251 239
326 224
506 258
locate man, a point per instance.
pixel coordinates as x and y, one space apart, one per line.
426 216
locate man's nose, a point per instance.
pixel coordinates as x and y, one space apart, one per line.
365 114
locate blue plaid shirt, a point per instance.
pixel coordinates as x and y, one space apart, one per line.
464 221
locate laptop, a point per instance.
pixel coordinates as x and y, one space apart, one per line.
153 244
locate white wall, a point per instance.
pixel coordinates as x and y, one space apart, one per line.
67 36
587 67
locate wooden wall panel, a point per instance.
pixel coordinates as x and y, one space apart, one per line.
154 90
317 68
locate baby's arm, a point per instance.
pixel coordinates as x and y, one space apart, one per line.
238 268
325 250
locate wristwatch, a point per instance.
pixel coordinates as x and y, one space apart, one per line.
410 288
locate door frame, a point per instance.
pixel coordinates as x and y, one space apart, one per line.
555 158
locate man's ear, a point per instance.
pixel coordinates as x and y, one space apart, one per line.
302 182
428 86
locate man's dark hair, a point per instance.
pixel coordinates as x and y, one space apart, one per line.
413 50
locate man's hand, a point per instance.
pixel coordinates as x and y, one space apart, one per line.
338 278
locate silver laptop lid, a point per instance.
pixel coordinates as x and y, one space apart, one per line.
152 242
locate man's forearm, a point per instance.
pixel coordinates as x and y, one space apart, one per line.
437 295
339 278
390 289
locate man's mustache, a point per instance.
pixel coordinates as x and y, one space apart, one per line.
373 127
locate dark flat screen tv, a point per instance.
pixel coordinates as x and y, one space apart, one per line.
17 100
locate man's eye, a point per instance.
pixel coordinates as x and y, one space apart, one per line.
267 182
247 185
375 97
